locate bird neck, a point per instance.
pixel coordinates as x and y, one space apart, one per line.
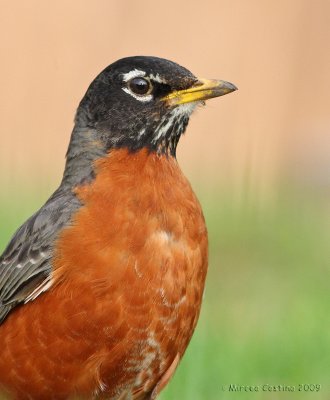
84 149
90 142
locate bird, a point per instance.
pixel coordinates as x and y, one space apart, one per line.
101 289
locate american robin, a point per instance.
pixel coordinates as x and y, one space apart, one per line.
100 290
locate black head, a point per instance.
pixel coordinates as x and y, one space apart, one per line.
141 102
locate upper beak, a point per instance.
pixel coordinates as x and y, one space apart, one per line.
203 89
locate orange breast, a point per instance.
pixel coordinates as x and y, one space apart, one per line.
128 281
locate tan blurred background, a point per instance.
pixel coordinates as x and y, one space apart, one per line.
259 160
277 52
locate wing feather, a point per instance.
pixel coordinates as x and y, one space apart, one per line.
26 263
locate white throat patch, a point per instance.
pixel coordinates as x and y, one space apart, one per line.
178 113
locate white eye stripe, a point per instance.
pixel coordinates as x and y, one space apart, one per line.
157 78
135 73
142 98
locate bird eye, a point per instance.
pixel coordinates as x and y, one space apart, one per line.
140 86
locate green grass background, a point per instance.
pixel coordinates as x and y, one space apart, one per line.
265 316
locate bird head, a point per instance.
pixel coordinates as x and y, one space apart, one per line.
144 102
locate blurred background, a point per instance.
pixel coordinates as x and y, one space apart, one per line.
259 160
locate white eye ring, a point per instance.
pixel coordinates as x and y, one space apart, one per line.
144 97
140 86
135 73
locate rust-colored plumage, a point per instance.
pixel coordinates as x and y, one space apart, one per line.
101 289
126 292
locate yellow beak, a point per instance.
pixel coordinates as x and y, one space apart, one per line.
204 89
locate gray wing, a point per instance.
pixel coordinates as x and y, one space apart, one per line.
25 265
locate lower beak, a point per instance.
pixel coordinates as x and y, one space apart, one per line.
204 89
